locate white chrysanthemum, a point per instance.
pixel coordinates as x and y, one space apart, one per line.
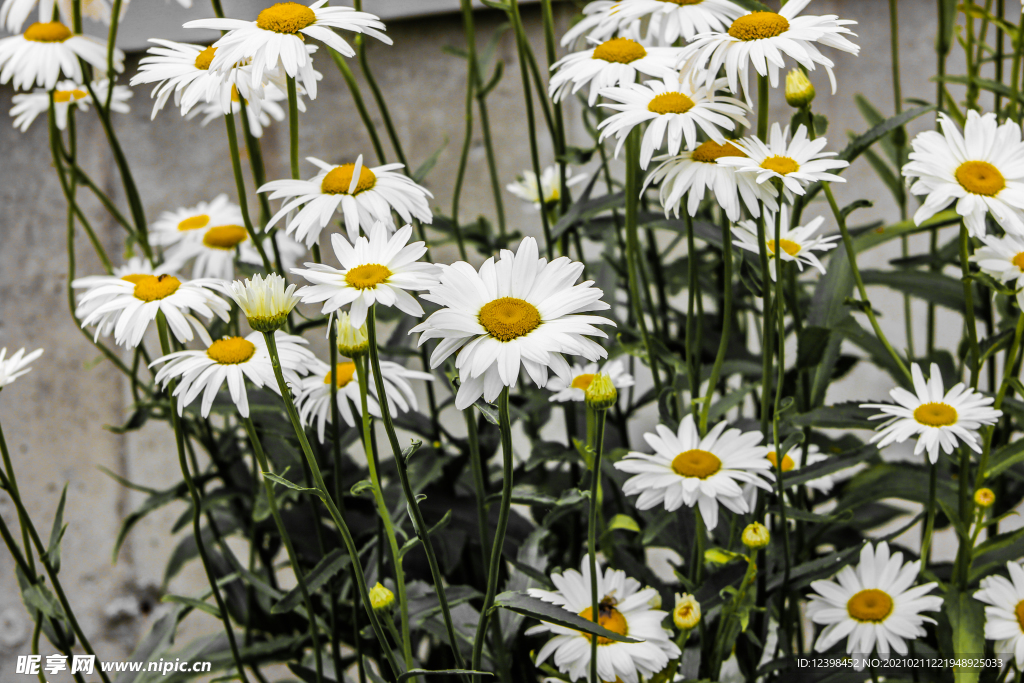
762 38
583 375
676 107
1003 259
233 360
379 270
526 187
269 108
519 311
614 62
624 608
803 456
873 606
797 162
133 270
68 94
1004 612
982 169
686 469
938 418
313 394
136 300
17 365
213 252
797 244
46 51
278 34
14 13
365 196
669 19
693 174
265 301
192 222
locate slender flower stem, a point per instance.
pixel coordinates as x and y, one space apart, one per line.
243 202
766 336
692 337
357 100
970 322
723 345
293 127
929 522
476 464
597 417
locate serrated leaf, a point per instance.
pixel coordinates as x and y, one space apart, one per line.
328 566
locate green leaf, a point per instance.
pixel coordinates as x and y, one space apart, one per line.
134 423
623 522
830 466
523 603
290 484
995 552
412 673
192 602
332 563
420 173
886 174
752 5
875 117
1005 458
967 622
157 641
874 238
57 532
812 344
839 416
933 287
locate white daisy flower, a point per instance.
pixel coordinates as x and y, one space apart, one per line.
796 245
1003 259
693 174
365 196
376 270
14 13
133 270
136 301
260 113
214 251
873 606
519 311
703 472
614 62
278 35
1004 612
677 106
982 169
313 394
762 38
232 360
548 191
624 608
797 162
803 456
669 19
68 94
583 375
265 301
17 365
45 51
938 418
190 223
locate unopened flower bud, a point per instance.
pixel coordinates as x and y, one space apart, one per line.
756 536
601 394
799 89
266 302
686 615
984 497
381 598
352 341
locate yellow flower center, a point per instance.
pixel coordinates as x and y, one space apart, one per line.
620 50
194 223
607 617
980 177
788 246
787 462
709 152
583 381
69 95
153 287
696 463
48 32
204 58
343 373
670 103
285 17
870 605
231 350
935 414
1018 260
225 236
134 278
509 318
781 165
367 275
1020 615
338 180
758 26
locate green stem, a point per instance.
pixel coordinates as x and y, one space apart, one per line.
476 464
692 337
293 127
929 523
971 323
243 202
723 345
1011 362
594 508
357 100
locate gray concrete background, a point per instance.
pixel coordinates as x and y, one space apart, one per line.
54 417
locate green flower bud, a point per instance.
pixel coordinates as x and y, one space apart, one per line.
686 615
601 394
381 598
756 536
799 89
352 341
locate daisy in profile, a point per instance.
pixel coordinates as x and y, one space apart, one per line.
548 191
517 312
17 365
694 174
265 301
213 252
706 473
1003 259
675 107
133 270
260 115
67 95
132 303
191 222
379 270
14 13
278 37
614 62
873 606
232 360
799 457
762 38
938 418
1004 612
796 245
979 169
797 162
45 51
669 19
364 195
583 376
624 608
182 70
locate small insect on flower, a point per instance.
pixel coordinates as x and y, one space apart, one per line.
45 51
1004 612
17 365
